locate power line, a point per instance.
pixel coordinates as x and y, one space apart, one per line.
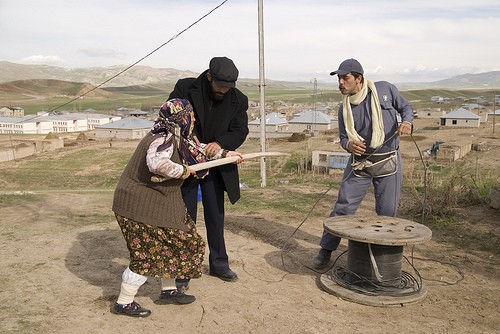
138 61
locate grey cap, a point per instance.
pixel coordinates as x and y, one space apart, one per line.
224 72
348 66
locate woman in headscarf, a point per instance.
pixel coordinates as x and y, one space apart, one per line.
160 235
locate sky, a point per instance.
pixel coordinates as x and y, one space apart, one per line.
394 40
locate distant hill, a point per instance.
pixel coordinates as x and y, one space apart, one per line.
50 88
486 80
137 75
480 80
149 76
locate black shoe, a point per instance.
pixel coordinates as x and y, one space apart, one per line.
321 260
182 284
228 276
133 310
174 297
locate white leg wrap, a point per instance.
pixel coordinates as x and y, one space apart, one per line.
168 284
127 293
132 278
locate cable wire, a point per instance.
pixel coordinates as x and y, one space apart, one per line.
138 61
409 284
316 203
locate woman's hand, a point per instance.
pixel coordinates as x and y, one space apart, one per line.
235 154
188 171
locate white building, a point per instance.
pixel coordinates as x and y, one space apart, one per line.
60 123
496 113
24 125
275 123
126 128
310 121
460 117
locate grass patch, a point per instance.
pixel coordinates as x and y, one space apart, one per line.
89 168
19 198
464 235
289 192
448 195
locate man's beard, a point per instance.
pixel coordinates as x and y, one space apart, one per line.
217 96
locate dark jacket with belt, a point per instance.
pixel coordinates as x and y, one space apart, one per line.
138 198
225 122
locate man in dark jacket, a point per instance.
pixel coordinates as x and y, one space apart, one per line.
221 122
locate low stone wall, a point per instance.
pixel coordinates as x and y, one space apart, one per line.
24 149
449 153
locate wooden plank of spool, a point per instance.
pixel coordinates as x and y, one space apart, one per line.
379 230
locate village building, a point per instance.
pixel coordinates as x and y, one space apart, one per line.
138 113
438 99
430 113
460 117
276 124
126 128
324 161
495 114
473 106
58 123
312 121
11 111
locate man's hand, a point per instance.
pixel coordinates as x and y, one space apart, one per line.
356 147
404 128
211 149
235 154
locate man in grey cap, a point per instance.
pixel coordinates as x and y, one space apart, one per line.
221 122
369 129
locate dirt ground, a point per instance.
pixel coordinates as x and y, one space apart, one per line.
61 276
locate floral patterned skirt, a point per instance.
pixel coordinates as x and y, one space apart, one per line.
163 252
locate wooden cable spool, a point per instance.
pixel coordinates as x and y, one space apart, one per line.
375 253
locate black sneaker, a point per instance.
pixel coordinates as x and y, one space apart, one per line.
174 297
321 260
132 310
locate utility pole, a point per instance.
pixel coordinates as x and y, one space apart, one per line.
494 110
262 85
315 92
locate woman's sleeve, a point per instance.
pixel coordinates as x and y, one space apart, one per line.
158 158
